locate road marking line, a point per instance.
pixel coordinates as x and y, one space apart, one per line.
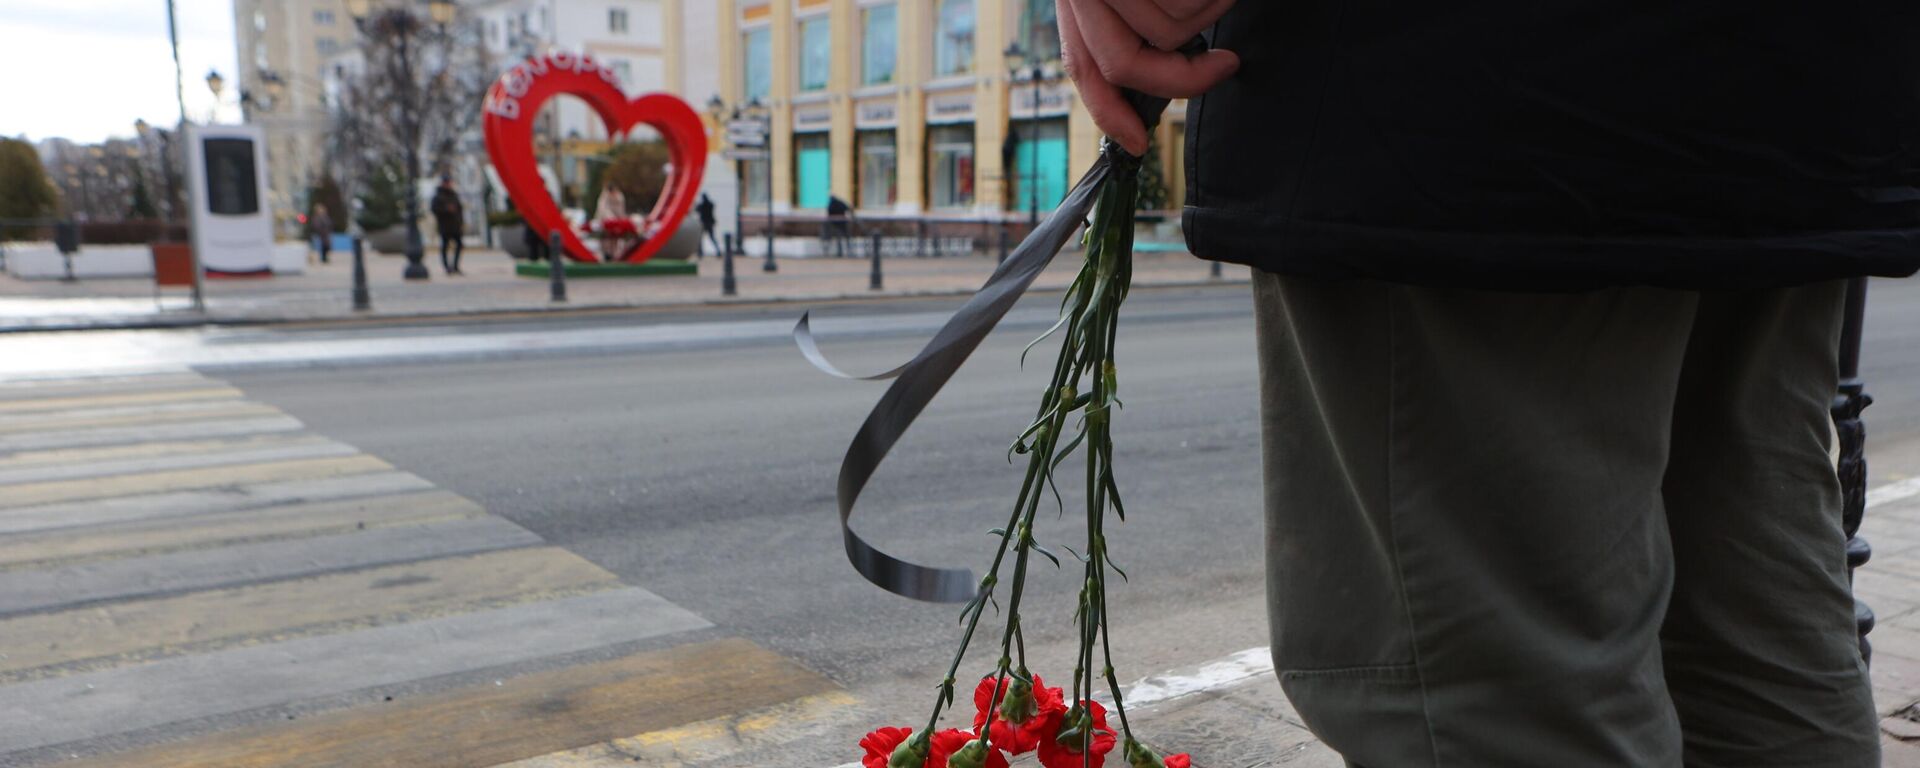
93 454
203 410
35 494
66 586
179 504
62 546
202 621
27 389
465 733
1892 492
710 739
101 436
118 399
257 454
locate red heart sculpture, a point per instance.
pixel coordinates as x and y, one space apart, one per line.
516 98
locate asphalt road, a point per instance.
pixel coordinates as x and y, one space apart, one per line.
707 474
693 453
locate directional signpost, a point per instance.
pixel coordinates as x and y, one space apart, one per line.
747 137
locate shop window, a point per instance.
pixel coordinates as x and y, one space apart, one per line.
879 169
757 180
950 166
812 171
1040 164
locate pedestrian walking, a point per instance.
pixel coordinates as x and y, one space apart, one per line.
839 223
450 219
704 209
1548 299
321 224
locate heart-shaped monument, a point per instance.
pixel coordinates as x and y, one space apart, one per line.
516 98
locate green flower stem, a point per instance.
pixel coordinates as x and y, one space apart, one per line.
1090 322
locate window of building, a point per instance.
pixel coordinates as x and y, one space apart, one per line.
757 73
1039 164
812 170
617 20
953 38
879 169
323 17
623 72
816 53
1041 28
327 46
950 166
757 181
878 35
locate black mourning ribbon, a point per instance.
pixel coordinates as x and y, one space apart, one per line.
919 379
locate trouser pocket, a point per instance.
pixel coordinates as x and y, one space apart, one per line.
1373 716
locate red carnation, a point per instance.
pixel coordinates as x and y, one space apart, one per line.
949 741
880 745
1022 736
1182 760
1054 754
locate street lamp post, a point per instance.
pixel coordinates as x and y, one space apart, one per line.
1018 60
401 25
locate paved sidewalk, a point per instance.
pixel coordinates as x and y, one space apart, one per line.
490 286
1249 722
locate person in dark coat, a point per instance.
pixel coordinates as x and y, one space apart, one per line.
839 223
704 209
1548 298
449 218
321 222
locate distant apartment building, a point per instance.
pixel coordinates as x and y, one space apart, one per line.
906 106
283 48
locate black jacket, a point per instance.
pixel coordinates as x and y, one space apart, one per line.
448 213
1560 144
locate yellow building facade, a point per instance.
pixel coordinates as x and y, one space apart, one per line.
904 107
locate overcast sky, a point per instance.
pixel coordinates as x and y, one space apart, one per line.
86 69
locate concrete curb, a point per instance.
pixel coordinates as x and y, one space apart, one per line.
377 317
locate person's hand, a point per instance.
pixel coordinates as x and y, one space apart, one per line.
1107 45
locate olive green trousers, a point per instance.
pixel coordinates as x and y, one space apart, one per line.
1587 529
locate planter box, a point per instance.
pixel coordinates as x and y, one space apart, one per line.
391 241
42 261
512 238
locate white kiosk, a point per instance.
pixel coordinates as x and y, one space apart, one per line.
227 178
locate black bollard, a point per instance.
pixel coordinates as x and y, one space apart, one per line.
557 267
873 277
362 302
769 266
1003 243
1852 467
1214 271
727 285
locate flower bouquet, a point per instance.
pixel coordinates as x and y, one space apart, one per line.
1015 712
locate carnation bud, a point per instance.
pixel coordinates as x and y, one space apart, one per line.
972 755
1076 722
1139 756
1018 704
911 753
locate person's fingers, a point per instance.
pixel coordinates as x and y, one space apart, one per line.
1125 60
1110 111
1169 24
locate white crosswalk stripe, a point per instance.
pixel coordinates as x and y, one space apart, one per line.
173 553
